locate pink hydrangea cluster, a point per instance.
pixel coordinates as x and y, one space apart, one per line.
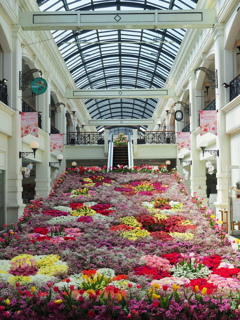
156 262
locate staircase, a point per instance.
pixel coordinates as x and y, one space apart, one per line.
120 156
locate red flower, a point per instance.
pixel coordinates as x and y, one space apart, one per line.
162 235
41 230
43 238
155 303
152 272
75 205
202 283
90 314
173 258
212 262
227 272
69 238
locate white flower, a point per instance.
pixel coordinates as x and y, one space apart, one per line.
110 273
63 208
39 279
148 204
62 219
89 204
98 216
123 284
5 265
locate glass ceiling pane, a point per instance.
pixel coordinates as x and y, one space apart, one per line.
100 59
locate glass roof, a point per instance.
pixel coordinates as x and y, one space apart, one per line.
118 59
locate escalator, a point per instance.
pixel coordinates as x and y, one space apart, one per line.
120 156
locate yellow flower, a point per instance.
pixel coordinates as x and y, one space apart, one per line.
156 285
204 291
22 279
59 301
185 236
33 289
135 234
22 256
90 291
1 271
176 286
8 302
213 216
160 216
130 221
49 260
155 296
219 221
53 270
186 222
119 297
196 288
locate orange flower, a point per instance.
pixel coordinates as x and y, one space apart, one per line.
120 277
89 273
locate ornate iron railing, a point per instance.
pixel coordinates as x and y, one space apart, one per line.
235 87
27 108
211 105
156 137
54 130
3 92
86 138
187 128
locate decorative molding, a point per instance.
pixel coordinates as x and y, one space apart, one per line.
6 109
231 105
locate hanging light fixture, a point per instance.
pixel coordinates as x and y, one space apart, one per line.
34 145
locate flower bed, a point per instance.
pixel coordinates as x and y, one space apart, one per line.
118 245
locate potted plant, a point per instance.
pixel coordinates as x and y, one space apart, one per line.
120 141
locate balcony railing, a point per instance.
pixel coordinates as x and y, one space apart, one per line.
211 105
157 137
187 128
85 138
3 92
235 88
54 130
27 108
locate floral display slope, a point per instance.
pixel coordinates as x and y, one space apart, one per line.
126 244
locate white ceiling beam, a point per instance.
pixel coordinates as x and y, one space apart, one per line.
120 122
119 93
136 19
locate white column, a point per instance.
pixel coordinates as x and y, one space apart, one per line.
12 66
43 171
198 170
61 124
222 141
106 136
135 145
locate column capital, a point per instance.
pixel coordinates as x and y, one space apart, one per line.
192 75
218 31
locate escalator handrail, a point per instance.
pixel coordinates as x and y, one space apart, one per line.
130 152
110 154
